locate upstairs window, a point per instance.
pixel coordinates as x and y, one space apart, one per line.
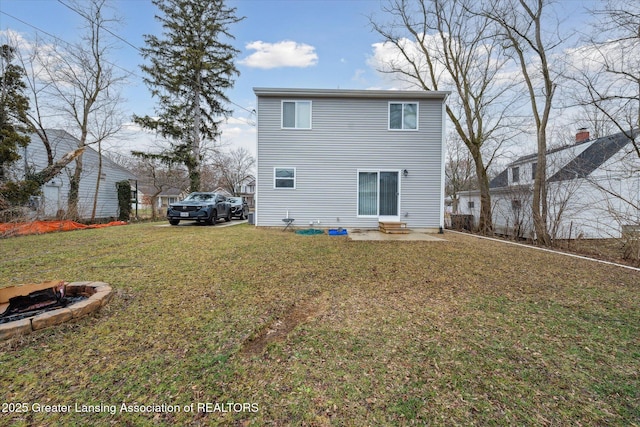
515 174
403 116
534 166
296 114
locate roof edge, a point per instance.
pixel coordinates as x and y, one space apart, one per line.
351 93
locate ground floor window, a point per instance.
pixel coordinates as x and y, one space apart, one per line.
368 193
284 178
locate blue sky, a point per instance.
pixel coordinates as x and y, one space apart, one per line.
283 43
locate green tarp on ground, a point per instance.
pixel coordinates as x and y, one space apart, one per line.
310 232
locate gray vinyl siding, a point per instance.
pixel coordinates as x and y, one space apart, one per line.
35 158
348 134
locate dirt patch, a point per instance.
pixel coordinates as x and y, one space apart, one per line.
280 327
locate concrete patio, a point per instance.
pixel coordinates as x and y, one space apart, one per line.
413 235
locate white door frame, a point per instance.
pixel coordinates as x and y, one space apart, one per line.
390 218
51 199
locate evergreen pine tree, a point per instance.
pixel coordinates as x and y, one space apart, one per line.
189 68
14 106
14 125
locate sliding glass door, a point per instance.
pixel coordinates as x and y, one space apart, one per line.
389 194
379 194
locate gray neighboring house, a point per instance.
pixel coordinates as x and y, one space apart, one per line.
350 158
53 201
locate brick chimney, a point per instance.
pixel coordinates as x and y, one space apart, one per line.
582 135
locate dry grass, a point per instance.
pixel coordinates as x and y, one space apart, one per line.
622 251
319 330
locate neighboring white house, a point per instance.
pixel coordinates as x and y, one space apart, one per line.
349 158
248 190
53 201
593 191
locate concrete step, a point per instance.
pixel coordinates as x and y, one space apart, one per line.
390 227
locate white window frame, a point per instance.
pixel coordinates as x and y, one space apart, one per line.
403 103
534 167
377 172
295 178
296 102
515 174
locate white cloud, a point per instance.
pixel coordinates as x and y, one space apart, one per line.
387 57
239 132
236 133
286 53
359 75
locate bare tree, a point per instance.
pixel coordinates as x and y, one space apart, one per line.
607 75
607 72
17 122
459 170
156 175
564 204
38 87
442 45
234 168
522 30
86 87
593 120
28 54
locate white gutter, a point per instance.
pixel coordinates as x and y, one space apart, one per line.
351 93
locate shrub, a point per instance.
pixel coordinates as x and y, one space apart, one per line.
124 200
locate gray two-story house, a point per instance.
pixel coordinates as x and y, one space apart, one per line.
350 158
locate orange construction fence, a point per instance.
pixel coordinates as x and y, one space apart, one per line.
40 227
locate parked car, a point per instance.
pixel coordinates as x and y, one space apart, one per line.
239 207
200 207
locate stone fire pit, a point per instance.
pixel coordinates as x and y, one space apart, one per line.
96 295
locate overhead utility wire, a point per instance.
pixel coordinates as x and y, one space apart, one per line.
108 62
104 28
138 49
65 42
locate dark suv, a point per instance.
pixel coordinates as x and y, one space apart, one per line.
200 207
239 207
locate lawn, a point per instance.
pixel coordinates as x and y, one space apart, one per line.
245 326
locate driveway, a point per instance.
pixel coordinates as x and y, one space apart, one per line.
220 223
